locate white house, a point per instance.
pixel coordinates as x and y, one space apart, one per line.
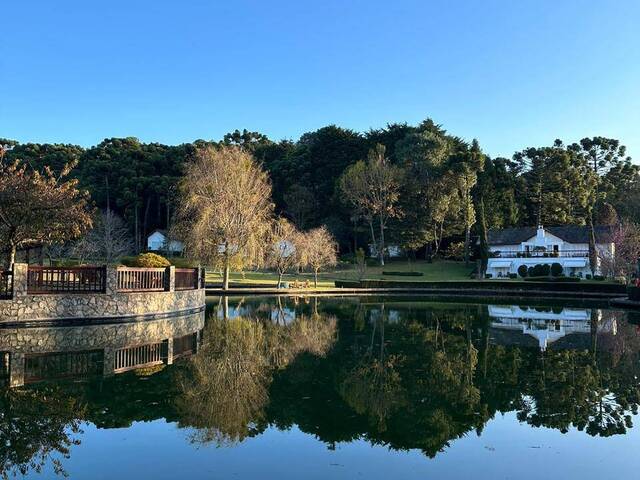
158 242
567 245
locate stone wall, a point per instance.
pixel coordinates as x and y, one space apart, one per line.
32 307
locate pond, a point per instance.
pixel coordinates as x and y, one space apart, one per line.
326 387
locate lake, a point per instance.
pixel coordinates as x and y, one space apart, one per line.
357 387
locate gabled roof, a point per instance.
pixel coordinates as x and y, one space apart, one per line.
160 231
568 233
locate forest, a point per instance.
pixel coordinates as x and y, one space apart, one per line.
419 186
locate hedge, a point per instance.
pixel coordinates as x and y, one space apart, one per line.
509 285
552 279
403 274
633 293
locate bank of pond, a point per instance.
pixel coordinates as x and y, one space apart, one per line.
421 378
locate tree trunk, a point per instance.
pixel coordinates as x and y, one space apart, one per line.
315 277
467 241
279 279
373 235
136 230
593 254
225 273
12 256
381 252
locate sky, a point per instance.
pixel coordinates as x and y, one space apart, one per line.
513 74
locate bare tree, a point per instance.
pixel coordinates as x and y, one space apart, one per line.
624 260
318 250
224 208
373 188
110 238
282 251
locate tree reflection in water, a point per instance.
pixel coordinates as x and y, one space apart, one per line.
37 427
406 374
226 387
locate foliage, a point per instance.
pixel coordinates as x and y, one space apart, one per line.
147 260
624 260
40 207
318 250
225 208
456 251
523 271
283 251
556 269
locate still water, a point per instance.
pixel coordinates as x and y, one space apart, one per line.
369 387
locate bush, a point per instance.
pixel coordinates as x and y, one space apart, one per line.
599 278
539 270
488 275
146 260
513 275
556 269
588 276
455 251
522 271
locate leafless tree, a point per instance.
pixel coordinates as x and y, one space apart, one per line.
224 208
318 250
283 249
624 260
110 239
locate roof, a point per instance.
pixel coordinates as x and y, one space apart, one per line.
157 230
568 233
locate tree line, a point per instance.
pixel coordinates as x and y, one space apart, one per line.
415 186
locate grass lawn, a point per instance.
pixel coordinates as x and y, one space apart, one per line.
437 271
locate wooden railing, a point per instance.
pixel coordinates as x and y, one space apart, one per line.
66 279
49 366
186 278
6 284
142 279
141 356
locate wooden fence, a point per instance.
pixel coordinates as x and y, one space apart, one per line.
186 278
66 279
142 279
6 284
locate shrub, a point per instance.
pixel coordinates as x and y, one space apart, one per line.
598 277
455 251
148 260
513 275
522 271
488 275
588 276
556 269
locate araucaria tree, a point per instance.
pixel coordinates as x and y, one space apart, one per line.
318 250
40 207
373 188
224 208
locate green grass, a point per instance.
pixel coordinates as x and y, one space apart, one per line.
437 271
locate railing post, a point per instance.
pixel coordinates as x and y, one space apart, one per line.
20 275
111 285
202 276
170 279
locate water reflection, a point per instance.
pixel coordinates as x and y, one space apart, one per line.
399 372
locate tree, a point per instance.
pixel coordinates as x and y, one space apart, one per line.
299 204
40 208
110 238
484 241
374 188
224 208
283 247
319 250
624 260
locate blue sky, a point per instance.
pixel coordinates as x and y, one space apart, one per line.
510 73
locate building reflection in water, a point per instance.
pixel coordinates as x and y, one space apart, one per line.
550 324
35 354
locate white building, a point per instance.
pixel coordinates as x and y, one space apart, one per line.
567 245
158 242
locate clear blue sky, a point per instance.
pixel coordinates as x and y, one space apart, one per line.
512 73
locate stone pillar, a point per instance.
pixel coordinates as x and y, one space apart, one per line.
112 280
170 351
171 275
108 359
20 279
16 372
